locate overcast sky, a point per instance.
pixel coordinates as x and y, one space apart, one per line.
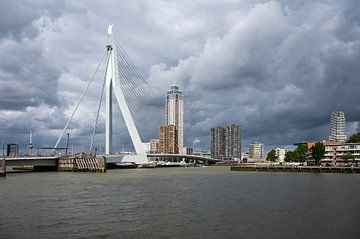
277 68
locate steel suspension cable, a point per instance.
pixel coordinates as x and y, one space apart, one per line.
77 106
132 87
131 64
99 107
134 96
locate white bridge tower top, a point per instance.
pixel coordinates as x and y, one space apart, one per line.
113 86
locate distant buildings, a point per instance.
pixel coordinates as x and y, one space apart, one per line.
168 142
226 142
337 127
256 151
174 113
202 153
12 150
154 146
280 155
188 151
217 143
171 137
334 151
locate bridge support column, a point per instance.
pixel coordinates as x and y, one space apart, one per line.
113 86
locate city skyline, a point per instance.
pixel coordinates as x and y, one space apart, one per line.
276 84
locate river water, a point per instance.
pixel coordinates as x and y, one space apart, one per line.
211 202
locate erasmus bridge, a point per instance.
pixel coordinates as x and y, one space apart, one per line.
124 82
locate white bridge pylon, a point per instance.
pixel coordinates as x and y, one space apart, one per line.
113 86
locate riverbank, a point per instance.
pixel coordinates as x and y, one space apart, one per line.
291 168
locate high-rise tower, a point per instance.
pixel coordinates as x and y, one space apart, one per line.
174 113
337 126
226 142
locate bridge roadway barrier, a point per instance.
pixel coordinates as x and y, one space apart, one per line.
290 168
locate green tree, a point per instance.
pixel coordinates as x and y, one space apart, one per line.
355 138
347 157
298 155
288 156
301 151
271 156
318 151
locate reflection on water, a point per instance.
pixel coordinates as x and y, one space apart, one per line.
211 202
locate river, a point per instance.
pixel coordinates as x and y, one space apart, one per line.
211 202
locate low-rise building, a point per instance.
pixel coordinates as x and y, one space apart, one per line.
280 155
154 146
256 151
335 150
188 150
202 153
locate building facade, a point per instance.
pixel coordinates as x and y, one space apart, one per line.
174 113
188 151
233 142
334 152
168 139
256 151
280 154
226 142
154 146
337 127
217 143
12 150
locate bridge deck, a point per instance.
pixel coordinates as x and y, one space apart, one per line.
198 157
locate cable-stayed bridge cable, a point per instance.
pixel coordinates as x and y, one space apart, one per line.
77 105
99 107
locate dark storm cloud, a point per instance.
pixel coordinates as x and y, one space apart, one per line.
279 72
27 76
17 17
278 68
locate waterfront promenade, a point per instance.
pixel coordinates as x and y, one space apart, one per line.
291 168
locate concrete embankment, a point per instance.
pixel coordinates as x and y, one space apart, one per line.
289 168
82 163
2 167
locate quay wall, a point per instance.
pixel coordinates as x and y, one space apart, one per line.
82 163
288 168
2 167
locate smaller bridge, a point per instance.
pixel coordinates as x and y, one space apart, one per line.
36 163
